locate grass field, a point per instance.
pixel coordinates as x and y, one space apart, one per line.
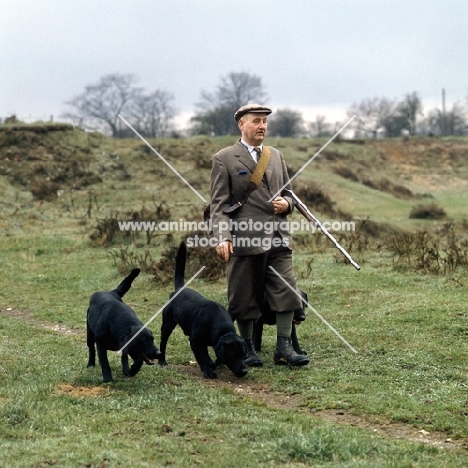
400 401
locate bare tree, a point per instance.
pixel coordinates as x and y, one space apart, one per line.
101 103
286 123
371 114
152 114
452 122
410 108
218 121
404 116
319 127
396 125
237 89
215 110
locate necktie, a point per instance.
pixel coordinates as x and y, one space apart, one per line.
259 153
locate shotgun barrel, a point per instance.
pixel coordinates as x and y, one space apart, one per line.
316 223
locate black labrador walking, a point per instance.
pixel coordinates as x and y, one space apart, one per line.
111 324
206 323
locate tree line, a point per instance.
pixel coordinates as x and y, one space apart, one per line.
153 114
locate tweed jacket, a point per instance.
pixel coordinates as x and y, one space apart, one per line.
251 228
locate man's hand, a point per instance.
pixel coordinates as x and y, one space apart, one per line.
224 250
280 205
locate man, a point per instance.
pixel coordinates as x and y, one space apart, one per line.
253 234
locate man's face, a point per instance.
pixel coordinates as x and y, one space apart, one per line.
253 128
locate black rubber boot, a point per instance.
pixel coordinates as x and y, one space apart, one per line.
285 354
252 359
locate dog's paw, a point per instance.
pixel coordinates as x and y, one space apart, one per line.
162 362
209 374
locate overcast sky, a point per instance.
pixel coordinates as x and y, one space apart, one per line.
317 56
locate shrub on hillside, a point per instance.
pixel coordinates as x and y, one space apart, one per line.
318 200
430 211
162 269
441 252
107 230
346 173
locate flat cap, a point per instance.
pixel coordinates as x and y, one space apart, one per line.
251 108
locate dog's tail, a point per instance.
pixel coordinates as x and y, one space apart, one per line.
180 266
126 284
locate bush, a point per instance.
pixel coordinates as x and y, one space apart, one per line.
107 231
162 269
441 252
431 211
346 173
317 200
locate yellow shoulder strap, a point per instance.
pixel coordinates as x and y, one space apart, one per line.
254 180
262 164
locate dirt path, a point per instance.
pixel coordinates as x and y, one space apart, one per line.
262 392
27 316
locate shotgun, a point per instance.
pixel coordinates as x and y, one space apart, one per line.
316 223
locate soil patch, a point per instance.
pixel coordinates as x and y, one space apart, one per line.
79 391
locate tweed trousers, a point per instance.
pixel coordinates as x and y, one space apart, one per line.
249 278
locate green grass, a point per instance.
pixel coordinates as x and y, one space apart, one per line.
161 418
410 332
410 368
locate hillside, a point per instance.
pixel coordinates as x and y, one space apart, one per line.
62 177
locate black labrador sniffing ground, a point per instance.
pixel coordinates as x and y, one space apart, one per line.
111 324
268 317
206 323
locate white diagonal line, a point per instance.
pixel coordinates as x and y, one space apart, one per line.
159 311
315 312
312 158
164 160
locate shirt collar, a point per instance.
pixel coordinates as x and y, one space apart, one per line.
251 148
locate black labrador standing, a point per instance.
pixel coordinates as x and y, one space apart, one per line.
268 317
111 324
206 323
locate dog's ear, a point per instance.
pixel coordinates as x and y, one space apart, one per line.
128 337
140 330
219 351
